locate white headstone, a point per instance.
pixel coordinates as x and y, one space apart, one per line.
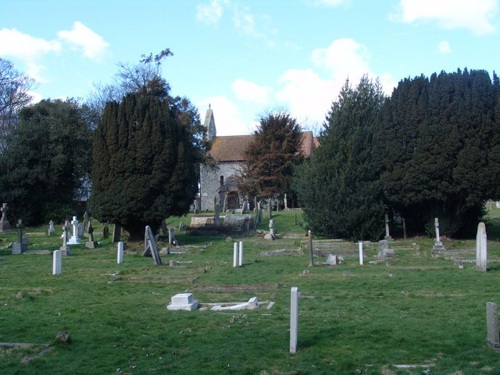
438 245
56 262
51 230
240 254
360 246
294 319
183 301
481 248
119 255
235 254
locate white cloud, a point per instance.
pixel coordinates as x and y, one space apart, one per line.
16 44
250 91
474 15
444 47
344 58
212 12
310 96
227 117
93 45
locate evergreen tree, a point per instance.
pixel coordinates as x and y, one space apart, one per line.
338 187
143 168
48 156
271 156
438 149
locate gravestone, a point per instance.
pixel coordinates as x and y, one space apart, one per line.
119 255
438 245
383 249
360 246
294 319
86 222
481 248
19 246
240 254
65 250
387 234
105 231
183 301
236 255
56 262
332 260
150 248
74 240
91 244
51 230
171 237
117 232
80 230
271 227
4 223
492 337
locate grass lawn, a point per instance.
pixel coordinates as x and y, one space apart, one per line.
418 313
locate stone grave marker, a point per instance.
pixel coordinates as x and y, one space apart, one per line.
91 244
120 250
56 262
332 260
19 246
481 248
294 319
74 240
117 231
387 234
438 245
360 247
105 231
65 250
236 255
383 249
183 301
51 230
4 223
171 237
150 248
240 254
492 338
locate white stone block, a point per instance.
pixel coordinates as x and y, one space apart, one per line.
183 301
56 262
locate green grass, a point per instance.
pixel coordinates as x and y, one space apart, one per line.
418 310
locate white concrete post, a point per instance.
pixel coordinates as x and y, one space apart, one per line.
360 245
119 255
240 254
294 319
56 262
235 254
481 248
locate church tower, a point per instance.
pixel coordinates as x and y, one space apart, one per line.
210 124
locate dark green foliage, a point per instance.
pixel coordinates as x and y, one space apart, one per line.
272 155
48 156
438 147
338 187
143 167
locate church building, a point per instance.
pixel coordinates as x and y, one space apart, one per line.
228 152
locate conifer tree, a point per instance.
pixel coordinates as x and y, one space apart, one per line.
143 168
338 187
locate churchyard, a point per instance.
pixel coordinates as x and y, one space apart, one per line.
410 311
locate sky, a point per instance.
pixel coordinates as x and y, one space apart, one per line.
247 58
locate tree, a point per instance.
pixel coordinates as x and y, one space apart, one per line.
438 148
47 158
271 156
338 187
14 95
143 163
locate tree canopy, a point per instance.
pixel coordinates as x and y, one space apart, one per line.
270 157
338 187
143 169
438 147
47 158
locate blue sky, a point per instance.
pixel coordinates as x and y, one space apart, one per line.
244 57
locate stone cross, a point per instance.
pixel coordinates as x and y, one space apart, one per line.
74 240
387 234
481 248
91 232
438 245
18 247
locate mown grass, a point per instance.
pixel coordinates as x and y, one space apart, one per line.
419 310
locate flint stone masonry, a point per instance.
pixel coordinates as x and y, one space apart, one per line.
183 301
